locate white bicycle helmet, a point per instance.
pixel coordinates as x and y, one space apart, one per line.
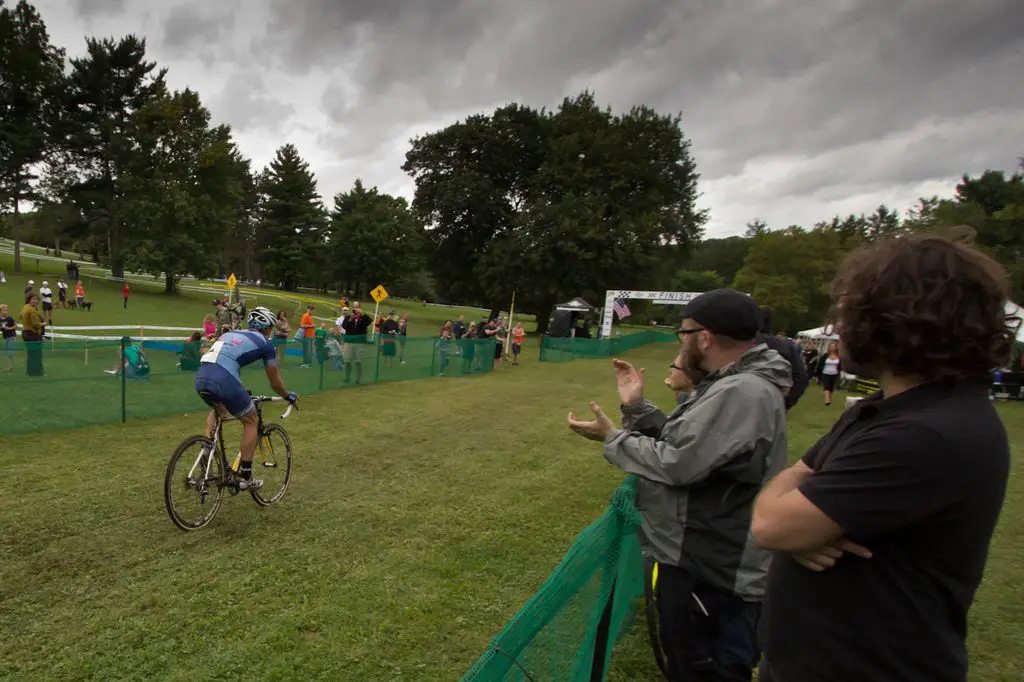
261 318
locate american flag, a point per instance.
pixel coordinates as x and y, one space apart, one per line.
621 309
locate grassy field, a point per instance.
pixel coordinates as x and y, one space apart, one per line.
421 517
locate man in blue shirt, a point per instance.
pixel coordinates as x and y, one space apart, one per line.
219 382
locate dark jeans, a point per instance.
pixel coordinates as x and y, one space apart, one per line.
718 647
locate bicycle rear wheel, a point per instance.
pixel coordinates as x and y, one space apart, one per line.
272 464
193 490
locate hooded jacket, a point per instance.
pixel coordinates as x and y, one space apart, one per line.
701 467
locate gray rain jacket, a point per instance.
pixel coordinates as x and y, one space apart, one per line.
701 467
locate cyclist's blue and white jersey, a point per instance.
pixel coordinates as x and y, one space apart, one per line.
236 349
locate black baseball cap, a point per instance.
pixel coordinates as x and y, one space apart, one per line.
726 312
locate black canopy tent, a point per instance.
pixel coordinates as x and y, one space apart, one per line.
569 316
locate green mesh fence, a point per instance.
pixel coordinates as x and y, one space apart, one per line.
562 349
568 629
74 387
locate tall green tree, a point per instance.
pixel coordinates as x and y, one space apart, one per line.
290 230
240 244
755 228
374 238
105 89
554 204
722 256
472 180
791 270
181 198
31 83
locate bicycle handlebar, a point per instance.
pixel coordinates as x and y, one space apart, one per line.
275 399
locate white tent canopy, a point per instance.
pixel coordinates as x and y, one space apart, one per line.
1010 308
816 334
1013 310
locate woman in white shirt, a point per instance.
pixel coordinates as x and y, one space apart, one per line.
829 369
46 293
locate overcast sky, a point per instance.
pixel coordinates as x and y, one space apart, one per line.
797 109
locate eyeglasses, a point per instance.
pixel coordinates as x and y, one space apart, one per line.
686 332
675 366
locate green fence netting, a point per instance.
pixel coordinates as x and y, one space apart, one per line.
568 629
561 349
61 383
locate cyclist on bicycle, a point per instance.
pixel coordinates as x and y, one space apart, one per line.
219 383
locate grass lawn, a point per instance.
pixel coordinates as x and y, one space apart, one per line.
421 517
147 302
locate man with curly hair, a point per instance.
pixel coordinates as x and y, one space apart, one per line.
882 529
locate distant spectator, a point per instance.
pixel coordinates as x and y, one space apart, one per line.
389 333
132 362
789 351
30 288
79 294
124 292
334 351
223 314
46 295
469 344
830 368
518 337
191 352
10 335
282 330
62 293
403 332
32 335
3 277
308 327
356 326
500 336
209 327
444 346
320 342
339 323
459 327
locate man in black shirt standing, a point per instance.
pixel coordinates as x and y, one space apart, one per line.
883 528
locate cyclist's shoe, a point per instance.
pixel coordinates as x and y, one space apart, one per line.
250 484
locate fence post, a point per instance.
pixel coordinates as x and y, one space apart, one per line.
376 370
322 363
124 385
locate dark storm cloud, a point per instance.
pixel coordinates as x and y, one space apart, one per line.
196 26
89 8
795 107
750 78
246 103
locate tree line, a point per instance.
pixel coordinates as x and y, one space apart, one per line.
98 155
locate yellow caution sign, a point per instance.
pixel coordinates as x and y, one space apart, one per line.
379 294
232 281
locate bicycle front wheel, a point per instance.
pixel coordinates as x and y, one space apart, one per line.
272 464
193 486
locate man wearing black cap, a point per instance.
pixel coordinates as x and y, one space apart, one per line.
700 469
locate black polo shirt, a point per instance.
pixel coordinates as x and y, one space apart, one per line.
918 479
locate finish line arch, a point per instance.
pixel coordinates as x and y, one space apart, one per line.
658 297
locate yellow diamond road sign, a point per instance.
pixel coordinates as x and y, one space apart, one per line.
232 281
379 294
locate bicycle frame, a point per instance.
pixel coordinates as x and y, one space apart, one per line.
217 438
